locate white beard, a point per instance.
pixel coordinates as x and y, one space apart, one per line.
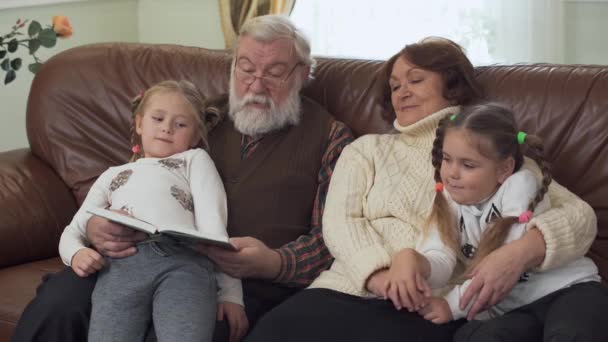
256 121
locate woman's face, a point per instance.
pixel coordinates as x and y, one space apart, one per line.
415 93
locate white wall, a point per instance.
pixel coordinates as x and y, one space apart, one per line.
93 21
184 22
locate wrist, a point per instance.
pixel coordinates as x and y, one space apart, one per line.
531 249
273 268
421 263
371 280
424 265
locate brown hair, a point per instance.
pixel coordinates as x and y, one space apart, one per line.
439 55
208 115
497 124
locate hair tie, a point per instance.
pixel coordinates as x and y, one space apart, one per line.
438 187
521 137
135 149
452 117
138 97
525 216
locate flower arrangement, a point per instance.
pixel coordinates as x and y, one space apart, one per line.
37 36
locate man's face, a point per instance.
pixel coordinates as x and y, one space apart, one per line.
265 85
274 60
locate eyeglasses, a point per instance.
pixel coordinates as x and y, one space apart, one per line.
270 82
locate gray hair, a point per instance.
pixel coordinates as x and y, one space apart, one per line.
267 28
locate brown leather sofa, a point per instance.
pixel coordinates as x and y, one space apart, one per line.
78 123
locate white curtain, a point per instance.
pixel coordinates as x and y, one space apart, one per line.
528 30
492 31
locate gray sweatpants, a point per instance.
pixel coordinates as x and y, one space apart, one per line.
167 283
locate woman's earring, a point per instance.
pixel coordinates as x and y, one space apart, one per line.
135 149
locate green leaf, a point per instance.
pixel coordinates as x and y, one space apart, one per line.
47 37
33 45
13 45
2 54
5 64
10 76
34 28
16 63
34 67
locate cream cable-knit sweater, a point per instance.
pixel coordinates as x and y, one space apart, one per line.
381 192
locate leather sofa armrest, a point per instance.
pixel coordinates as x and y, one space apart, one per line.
36 206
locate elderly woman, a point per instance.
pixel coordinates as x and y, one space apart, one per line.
379 197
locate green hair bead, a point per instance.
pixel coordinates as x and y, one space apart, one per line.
521 137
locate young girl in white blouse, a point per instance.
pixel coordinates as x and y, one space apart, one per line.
170 180
484 200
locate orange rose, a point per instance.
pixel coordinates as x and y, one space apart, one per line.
62 26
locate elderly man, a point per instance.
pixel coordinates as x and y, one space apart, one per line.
275 153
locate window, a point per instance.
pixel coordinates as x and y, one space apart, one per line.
491 31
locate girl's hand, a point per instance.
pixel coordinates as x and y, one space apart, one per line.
437 311
407 286
86 262
377 283
237 319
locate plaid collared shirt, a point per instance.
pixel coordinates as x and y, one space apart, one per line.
302 260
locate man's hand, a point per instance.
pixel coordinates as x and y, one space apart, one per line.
407 284
86 262
252 259
499 271
437 311
237 319
112 239
377 283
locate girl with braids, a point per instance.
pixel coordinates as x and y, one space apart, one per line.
484 199
171 180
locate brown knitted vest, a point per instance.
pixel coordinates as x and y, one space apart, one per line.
271 193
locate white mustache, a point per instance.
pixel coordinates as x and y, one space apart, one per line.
253 98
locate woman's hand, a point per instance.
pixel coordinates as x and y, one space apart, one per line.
437 311
500 270
86 262
407 286
237 319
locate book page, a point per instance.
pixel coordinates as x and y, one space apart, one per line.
198 236
180 232
128 221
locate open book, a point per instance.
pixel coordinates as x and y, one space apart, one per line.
182 233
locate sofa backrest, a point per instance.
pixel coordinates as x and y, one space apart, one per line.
78 115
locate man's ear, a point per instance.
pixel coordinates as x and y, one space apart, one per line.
505 169
304 74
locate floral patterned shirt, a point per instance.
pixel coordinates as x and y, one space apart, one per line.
182 190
